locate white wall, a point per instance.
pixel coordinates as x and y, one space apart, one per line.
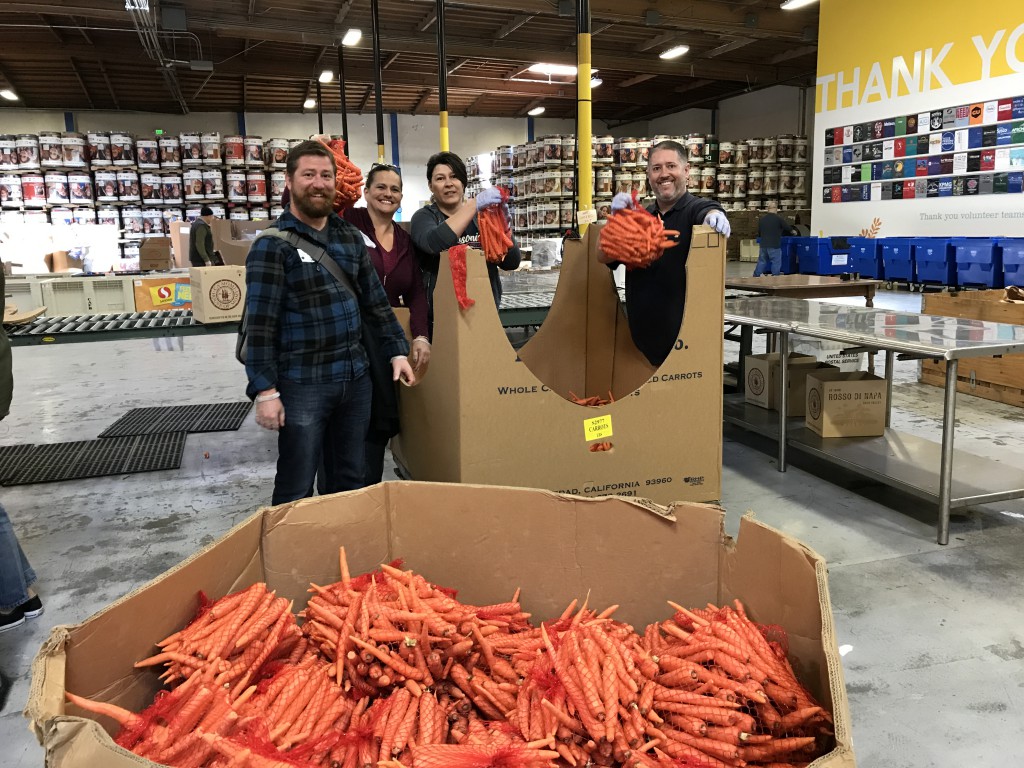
142 123
681 123
30 120
768 112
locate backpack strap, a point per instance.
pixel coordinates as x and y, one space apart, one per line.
315 250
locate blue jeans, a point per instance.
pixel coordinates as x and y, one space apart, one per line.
769 260
16 575
329 419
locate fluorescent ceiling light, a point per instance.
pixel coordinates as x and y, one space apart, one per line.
309 103
552 69
536 111
674 53
595 81
351 37
326 76
8 94
791 5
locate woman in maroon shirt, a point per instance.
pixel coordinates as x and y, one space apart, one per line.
394 257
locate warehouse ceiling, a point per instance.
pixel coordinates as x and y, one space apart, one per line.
265 55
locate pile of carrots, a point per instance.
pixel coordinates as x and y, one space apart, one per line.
348 179
495 229
635 237
389 670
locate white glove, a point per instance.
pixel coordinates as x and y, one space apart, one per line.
489 196
622 200
718 220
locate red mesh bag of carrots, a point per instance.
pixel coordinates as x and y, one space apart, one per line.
495 227
457 261
348 179
635 237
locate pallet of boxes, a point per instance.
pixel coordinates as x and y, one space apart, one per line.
994 378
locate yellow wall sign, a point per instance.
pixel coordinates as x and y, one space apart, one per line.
597 428
875 50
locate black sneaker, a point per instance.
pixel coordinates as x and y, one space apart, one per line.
11 620
32 607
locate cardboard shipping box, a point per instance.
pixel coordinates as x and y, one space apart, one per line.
762 374
155 254
485 413
218 294
233 238
845 404
486 542
168 292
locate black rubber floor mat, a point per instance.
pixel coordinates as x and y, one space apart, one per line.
98 458
208 417
11 458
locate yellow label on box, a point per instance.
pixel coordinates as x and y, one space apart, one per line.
598 427
171 294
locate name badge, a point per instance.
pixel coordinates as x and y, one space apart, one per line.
303 256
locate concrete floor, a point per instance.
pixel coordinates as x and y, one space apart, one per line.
933 636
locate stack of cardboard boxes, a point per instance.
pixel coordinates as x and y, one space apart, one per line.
834 403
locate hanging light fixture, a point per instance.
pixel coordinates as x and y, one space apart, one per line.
352 37
309 103
536 111
326 76
674 53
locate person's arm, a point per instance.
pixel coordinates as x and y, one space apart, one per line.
415 296
433 236
373 301
512 259
265 291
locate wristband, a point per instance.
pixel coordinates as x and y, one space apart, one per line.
424 339
267 398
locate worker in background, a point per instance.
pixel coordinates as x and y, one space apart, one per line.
655 295
770 230
200 241
307 368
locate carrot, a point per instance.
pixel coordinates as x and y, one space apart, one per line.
123 717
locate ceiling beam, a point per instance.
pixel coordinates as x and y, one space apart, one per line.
475 101
691 86
49 25
635 80
390 60
81 82
424 98
366 98
654 42
110 86
459 64
794 53
727 47
427 21
515 23
343 11
530 105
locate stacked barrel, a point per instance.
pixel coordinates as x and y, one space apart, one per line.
139 184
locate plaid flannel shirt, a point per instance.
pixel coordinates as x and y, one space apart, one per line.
303 325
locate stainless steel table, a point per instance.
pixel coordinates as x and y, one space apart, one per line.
899 460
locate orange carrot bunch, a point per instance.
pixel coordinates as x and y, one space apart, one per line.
395 672
635 237
348 179
495 229
591 402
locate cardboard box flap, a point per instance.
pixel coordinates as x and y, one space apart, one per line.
571 352
780 577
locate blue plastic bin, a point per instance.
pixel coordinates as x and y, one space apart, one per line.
1012 251
866 257
934 260
789 256
823 255
898 258
979 261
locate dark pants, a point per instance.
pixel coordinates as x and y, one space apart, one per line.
322 419
374 470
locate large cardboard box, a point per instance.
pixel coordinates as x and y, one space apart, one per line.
486 542
994 378
487 414
845 404
168 292
233 238
762 381
218 294
155 254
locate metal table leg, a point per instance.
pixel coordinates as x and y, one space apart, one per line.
746 348
946 468
890 359
783 395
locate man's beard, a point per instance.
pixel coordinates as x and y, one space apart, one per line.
313 207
